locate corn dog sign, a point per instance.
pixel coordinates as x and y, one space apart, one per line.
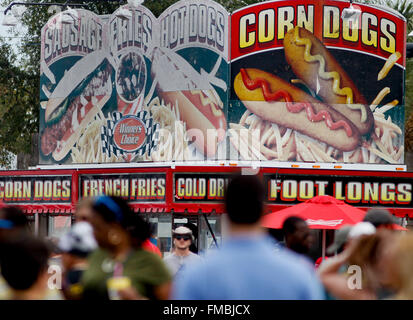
130 87
35 189
317 81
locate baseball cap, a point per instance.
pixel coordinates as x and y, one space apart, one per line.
378 217
182 230
361 229
340 238
79 240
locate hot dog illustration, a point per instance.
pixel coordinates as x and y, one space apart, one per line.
277 101
200 107
77 98
316 66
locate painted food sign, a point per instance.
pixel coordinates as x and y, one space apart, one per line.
318 81
131 87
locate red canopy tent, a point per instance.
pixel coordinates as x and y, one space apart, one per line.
320 212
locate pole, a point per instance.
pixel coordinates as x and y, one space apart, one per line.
210 229
36 224
324 243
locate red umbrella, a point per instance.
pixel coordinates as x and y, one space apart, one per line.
320 212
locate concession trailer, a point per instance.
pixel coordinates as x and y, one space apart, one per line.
161 110
180 195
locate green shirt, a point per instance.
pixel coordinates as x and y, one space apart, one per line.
145 270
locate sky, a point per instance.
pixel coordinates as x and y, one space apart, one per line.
4 30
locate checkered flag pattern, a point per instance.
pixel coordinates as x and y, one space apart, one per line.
152 136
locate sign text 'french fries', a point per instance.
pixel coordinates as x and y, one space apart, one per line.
133 187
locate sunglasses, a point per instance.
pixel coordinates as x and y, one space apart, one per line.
183 237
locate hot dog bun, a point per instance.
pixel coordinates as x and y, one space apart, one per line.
201 113
318 64
346 137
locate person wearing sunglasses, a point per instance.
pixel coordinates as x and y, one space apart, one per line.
181 254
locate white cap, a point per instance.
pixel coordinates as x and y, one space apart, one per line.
79 240
182 230
361 229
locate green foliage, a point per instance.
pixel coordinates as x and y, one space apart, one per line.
409 89
18 106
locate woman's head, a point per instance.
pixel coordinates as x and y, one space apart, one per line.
401 265
84 210
370 253
114 223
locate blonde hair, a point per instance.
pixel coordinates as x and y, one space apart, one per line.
403 262
367 254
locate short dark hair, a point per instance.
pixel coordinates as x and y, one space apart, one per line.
379 217
244 199
22 260
116 210
14 215
290 224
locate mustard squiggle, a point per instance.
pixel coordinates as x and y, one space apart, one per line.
346 91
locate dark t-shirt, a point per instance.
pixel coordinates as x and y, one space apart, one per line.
145 270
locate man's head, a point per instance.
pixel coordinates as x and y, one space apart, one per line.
297 235
244 200
380 218
182 238
24 262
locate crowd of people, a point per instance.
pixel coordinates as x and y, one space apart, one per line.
108 254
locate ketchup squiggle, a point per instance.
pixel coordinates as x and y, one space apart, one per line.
294 107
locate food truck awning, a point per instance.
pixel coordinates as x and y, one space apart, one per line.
53 209
200 190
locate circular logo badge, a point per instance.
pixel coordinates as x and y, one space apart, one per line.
129 134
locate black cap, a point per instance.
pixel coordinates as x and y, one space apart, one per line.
379 217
